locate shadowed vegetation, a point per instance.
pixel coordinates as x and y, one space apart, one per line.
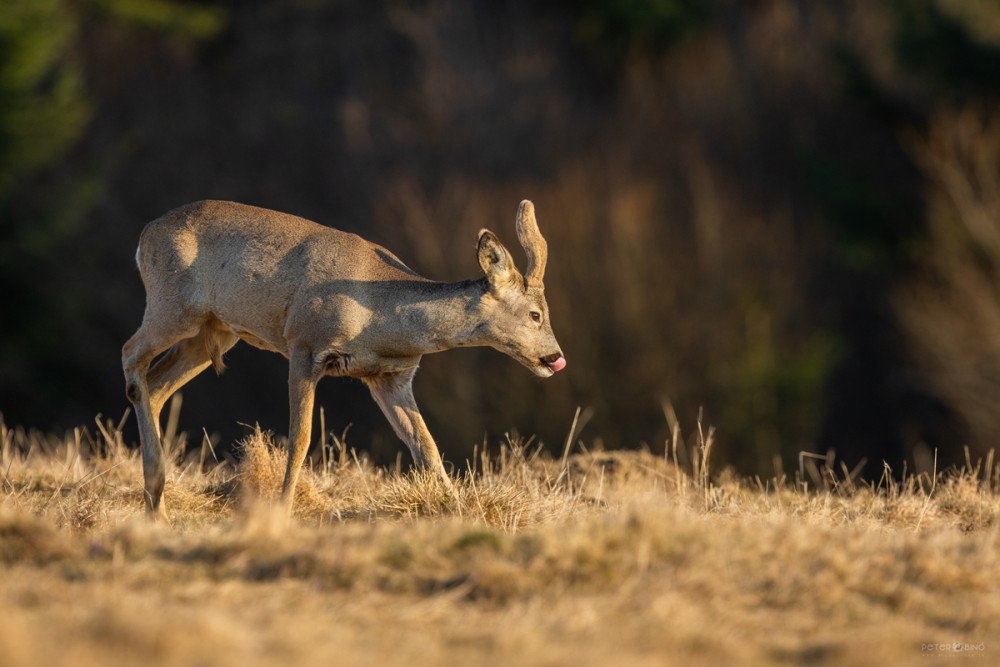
782 212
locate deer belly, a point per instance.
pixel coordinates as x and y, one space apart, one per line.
259 343
253 339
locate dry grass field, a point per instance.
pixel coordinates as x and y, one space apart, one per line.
589 559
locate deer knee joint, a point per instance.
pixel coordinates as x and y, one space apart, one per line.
132 392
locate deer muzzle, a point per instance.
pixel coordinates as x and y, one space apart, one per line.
555 362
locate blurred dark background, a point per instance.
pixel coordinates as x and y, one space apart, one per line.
784 212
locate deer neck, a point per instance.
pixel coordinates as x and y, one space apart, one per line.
442 316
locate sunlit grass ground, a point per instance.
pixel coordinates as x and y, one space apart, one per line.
589 559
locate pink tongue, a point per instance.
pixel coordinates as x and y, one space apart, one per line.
558 364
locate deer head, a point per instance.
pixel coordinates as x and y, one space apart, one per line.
515 314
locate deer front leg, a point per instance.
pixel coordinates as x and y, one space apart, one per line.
302 381
394 394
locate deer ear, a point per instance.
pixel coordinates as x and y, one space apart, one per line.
496 261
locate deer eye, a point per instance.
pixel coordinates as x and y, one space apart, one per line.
536 316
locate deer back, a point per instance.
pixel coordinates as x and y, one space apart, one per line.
267 275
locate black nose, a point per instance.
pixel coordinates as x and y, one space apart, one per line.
551 358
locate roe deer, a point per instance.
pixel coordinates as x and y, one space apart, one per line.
331 302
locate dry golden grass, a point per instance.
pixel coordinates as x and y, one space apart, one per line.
591 559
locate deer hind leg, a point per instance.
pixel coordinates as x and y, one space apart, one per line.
394 394
137 355
186 360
